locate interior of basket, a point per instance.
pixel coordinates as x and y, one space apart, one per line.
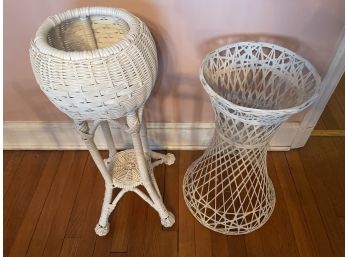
89 33
259 78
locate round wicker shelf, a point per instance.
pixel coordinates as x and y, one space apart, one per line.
125 171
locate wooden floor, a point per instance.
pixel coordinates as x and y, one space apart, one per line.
52 201
333 116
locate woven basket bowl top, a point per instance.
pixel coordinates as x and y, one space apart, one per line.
87 33
259 78
95 62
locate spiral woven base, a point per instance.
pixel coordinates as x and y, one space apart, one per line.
226 191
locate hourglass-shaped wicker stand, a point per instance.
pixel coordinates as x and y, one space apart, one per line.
253 88
99 65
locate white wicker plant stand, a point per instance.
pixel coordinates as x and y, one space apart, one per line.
253 87
99 65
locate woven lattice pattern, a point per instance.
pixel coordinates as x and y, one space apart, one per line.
94 63
253 88
125 171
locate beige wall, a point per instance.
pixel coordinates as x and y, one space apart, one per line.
184 32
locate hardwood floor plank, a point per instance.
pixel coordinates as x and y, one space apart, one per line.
219 244
236 246
253 244
186 220
331 153
203 240
279 223
84 195
118 254
42 230
169 243
65 205
69 247
262 242
271 245
308 203
342 221
31 217
7 155
138 227
315 169
12 162
303 239
19 195
121 226
337 157
320 124
88 236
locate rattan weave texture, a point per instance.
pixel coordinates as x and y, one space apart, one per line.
98 64
94 63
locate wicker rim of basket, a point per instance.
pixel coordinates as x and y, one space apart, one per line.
292 109
40 40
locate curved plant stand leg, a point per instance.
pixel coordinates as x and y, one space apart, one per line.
144 162
167 218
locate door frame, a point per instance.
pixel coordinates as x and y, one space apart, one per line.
329 84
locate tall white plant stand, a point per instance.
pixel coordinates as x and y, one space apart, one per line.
253 88
98 65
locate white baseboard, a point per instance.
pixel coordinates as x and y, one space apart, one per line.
170 136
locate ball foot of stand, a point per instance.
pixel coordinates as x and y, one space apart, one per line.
102 231
169 159
168 221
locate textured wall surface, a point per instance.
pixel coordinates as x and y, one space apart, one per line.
184 32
